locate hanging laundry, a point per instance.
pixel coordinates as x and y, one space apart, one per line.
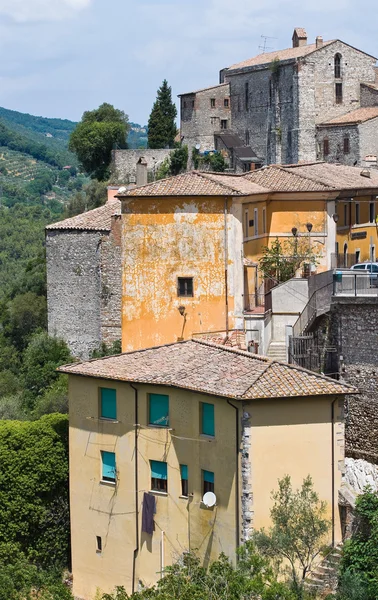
148 512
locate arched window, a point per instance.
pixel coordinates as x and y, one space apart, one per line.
337 66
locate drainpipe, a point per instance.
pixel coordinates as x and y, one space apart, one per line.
226 261
333 468
237 476
136 483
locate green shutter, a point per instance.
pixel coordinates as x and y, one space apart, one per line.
108 465
158 469
208 427
208 476
159 410
184 471
108 403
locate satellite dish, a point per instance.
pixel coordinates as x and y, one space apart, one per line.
122 189
198 146
209 499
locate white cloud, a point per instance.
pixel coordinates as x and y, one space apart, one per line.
23 11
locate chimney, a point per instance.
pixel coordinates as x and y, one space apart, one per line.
319 41
299 37
141 172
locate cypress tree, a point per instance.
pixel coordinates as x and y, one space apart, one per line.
161 124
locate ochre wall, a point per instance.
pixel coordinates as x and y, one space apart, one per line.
293 436
167 238
346 226
107 510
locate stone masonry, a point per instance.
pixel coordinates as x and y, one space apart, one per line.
84 280
124 164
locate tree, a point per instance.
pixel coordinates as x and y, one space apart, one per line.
92 196
298 531
280 261
161 124
96 135
23 315
175 163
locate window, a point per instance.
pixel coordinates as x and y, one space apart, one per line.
246 227
159 478
212 102
346 219
207 419
192 103
325 147
184 480
246 137
256 220
357 213
337 66
214 120
223 123
246 94
108 460
207 481
371 212
264 220
158 413
185 286
108 404
346 145
339 93
226 103
358 254
98 543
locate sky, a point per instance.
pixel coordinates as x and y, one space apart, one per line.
62 57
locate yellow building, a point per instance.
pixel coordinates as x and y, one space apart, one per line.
168 425
191 243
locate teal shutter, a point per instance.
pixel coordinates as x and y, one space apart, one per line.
184 471
208 427
108 465
108 403
159 410
208 476
158 469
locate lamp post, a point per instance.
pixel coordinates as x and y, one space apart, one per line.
335 218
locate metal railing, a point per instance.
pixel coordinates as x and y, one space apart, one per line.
354 283
320 292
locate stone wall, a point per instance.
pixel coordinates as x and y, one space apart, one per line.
84 287
369 95
124 164
335 137
368 142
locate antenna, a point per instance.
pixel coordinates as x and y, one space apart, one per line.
264 47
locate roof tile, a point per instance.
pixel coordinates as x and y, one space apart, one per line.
360 115
98 219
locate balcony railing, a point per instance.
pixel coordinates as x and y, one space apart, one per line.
354 283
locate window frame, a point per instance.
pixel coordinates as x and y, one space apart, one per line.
203 411
264 219
337 66
326 147
372 212
105 478
212 102
226 103
184 481
246 95
256 221
246 224
186 295
346 145
159 484
152 423
357 213
207 486
98 544
100 401
223 124
338 93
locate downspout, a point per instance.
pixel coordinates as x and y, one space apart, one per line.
237 477
136 483
226 261
333 468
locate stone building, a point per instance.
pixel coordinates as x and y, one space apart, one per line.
279 98
83 257
124 164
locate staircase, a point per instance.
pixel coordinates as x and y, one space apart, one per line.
323 579
277 351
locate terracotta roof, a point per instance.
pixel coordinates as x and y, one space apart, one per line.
360 115
98 219
301 33
210 87
211 369
337 177
373 86
276 178
196 183
287 54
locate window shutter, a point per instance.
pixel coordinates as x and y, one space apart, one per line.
208 476
184 471
108 465
108 403
159 410
158 469
208 419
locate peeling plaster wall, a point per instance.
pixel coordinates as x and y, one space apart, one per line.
167 238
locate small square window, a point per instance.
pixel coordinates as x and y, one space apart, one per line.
108 460
159 478
212 102
158 410
185 286
98 543
207 481
223 123
207 418
184 480
226 103
108 403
